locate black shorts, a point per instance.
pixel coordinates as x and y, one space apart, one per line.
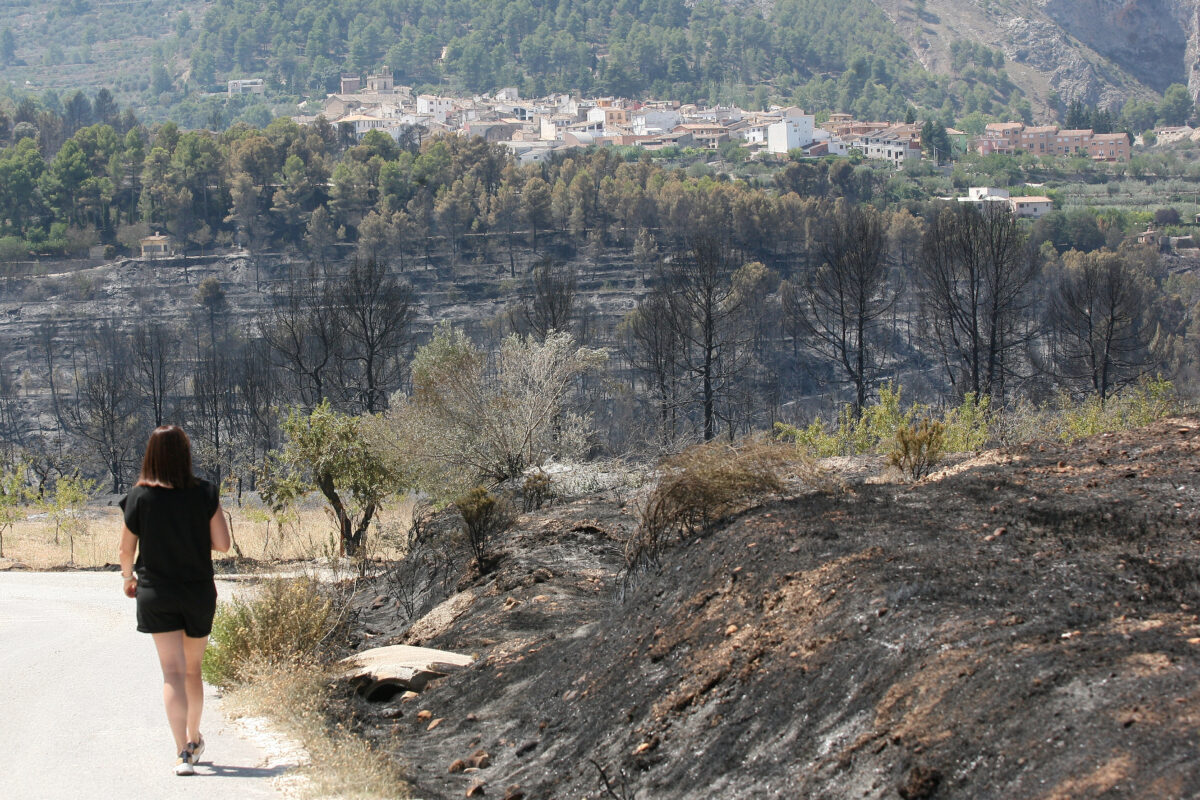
186 606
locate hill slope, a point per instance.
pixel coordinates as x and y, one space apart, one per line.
1022 626
1099 52
870 57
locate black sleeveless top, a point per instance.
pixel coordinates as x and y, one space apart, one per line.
172 526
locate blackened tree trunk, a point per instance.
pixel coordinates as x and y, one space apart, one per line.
704 311
974 275
840 304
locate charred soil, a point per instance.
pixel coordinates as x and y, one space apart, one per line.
1023 625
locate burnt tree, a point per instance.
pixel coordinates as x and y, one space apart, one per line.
974 275
838 307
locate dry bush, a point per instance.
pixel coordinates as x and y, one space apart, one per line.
475 417
427 569
287 620
704 483
918 449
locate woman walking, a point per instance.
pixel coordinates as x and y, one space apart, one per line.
173 522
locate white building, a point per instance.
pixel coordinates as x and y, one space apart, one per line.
367 122
246 86
793 131
1033 207
888 148
724 115
531 152
655 121
976 194
437 107
752 129
551 126
836 146
979 195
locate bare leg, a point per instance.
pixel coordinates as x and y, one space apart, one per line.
175 696
193 650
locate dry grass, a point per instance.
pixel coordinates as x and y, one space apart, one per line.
297 700
285 620
306 533
710 481
272 650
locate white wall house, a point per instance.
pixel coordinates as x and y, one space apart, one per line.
548 129
1031 206
837 146
978 193
751 132
246 86
655 121
789 133
437 107
891 149
366 122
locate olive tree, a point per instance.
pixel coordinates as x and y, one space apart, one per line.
14 494
475 417
327 450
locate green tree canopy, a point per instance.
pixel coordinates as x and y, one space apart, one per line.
326 450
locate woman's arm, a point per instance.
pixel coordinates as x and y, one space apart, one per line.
125 554
218 531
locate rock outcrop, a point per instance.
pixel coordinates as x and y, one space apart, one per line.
1102 52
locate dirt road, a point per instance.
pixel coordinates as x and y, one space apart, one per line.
80 702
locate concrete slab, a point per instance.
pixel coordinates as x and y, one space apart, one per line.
389 670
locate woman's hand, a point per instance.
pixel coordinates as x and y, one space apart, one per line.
126 552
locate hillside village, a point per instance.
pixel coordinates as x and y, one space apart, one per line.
534 129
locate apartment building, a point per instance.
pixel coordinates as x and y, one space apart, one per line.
1014 137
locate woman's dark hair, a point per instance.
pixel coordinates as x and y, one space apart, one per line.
168 460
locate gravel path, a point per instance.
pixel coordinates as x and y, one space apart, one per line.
81 702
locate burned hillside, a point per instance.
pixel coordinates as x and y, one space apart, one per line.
1021 625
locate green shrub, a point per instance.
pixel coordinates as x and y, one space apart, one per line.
1134 407
1068 420
484 516
536 490
968 426
873 431
13 248
288 620
918 450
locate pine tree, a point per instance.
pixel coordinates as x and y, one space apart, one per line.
8 47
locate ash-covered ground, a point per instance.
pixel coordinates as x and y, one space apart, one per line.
1023 625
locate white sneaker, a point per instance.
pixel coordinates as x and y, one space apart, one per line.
183 765
196 749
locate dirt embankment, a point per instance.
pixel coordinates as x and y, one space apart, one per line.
1024 626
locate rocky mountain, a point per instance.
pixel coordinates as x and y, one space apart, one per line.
1103 52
